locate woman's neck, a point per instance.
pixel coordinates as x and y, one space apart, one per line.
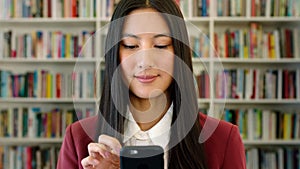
148 112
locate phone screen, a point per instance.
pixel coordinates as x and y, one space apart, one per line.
142 157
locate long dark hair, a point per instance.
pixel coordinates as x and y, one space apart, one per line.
186 152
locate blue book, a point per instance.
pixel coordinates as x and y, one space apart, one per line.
204 8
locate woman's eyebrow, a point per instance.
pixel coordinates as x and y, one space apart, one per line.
161 35
137 37
130 35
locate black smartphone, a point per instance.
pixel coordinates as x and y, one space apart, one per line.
142 157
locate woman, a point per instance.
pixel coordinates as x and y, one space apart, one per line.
149 98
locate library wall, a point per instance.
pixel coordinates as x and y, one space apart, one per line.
246 61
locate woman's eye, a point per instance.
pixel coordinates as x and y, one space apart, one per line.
161 46
130 46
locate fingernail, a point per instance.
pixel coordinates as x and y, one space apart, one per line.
107 154
96 162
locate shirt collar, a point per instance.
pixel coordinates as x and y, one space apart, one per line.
159 133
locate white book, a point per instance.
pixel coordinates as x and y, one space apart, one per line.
45 8
265 50
12 157
19 8
261 87
297 6
1 10
38 159
81 6
91 14
248 8
257 83
279 83
240 83
273 126
255 158
248 83
277 44
29 46
85 86
265 126
250 124
296 42
268 8
45 45
232 7
19 157
1 43
20 122
10 121
238 7
280 160
13 42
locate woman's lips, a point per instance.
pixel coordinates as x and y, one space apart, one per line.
146 78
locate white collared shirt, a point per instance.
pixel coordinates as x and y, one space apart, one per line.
159 134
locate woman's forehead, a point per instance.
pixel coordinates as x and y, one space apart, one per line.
145 20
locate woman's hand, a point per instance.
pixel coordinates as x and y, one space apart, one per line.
104 154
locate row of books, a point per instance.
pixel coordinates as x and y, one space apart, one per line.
200 46
203 84
47 44
26 157
273 158
258 8
47 84
36 122
201 8
264 124
46 9
257 43
257 84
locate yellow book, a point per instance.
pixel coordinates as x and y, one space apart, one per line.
69 118
49 85
49 125
272 46
246 44
68 43
287 121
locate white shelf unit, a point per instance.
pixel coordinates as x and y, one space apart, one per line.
21 65
208 24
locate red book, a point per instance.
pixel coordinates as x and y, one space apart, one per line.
74 8
254 85
29 157
49 8
58 85
207 86
216 45
292 87
75 38
253 12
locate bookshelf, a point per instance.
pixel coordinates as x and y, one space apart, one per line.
215 16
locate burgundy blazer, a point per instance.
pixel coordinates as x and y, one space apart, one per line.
224 148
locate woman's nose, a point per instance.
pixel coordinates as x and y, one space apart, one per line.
146 58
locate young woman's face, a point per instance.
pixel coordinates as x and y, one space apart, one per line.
146 53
